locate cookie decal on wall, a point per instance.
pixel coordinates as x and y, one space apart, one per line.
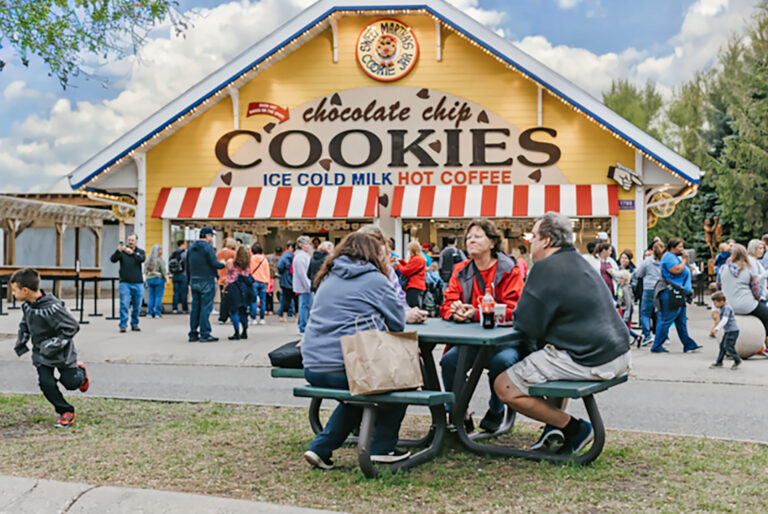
387 50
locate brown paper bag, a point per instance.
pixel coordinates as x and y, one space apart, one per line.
377 361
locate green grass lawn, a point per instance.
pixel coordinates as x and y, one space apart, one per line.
255 453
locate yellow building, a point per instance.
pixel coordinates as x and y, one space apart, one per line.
416 118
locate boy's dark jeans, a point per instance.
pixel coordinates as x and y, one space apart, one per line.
728 344
71 378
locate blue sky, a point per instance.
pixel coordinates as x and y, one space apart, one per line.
47 132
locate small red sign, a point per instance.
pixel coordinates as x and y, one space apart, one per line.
281 113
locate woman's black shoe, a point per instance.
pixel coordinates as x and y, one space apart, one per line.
234 337
244 334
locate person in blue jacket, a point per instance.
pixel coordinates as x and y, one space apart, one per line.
351 284
202 275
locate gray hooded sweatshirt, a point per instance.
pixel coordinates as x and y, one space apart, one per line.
352 289
51 327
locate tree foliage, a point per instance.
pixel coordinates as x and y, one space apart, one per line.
60 32
638 106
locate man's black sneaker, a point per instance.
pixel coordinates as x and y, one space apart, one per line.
234 337
209 339
194 339
391 457
550 441
580 440
244 334
317 461
491 422
694 349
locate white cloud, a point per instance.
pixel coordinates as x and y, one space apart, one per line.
18 91
50 145
568 4
705 28
488 17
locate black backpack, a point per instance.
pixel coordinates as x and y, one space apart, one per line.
176 263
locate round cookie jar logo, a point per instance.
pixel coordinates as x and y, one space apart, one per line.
387 49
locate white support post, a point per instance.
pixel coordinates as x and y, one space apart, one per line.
140 229
399 236
539 108
615 233
641 216
335 31
234 95
439 40
166 238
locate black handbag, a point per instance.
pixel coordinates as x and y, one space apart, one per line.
677 296
286 356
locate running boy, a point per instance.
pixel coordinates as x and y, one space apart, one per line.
51 327
730 332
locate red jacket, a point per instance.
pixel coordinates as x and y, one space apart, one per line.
416 271
508 284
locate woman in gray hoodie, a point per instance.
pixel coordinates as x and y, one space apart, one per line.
351 284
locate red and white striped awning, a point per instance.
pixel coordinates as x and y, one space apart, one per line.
326 202
504 201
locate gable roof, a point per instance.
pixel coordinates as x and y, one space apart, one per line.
318 17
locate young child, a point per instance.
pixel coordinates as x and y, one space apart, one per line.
625 299
51 328
730 332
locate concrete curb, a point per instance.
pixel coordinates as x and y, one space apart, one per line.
20 495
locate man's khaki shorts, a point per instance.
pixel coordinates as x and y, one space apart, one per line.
549 364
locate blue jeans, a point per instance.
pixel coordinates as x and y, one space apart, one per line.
728 345
239 318
347 417
506 355
180 291
156 288
203 291
260 294
646 311
130 296
667 317
305 304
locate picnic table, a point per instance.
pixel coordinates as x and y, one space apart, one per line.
468 335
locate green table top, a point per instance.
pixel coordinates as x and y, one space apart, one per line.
437 330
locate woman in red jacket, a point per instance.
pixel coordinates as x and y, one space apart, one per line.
487 267
415 270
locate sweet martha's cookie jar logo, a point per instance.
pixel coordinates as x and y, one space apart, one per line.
387 50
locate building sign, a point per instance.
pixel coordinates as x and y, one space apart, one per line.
387 50
389 135
626 205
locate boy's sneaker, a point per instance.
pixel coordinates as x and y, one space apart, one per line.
86 381
391 457
646 341
66 420
736 365
551 440
317 461
716 365
580 440
492 421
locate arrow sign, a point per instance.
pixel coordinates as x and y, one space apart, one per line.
281 113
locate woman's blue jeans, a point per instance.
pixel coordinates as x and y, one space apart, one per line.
156 287
667 317
506 355
260 295
646 311
348 417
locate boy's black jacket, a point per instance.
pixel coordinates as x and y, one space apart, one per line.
51 327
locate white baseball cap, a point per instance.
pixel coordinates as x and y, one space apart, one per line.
602 235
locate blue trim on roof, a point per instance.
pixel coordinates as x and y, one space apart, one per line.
332 10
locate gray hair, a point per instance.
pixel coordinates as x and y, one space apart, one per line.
557 228
302 240
371 229
752 247
153 261
326 246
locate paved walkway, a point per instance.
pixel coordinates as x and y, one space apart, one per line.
28 495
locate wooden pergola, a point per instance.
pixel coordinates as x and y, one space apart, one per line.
19 214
